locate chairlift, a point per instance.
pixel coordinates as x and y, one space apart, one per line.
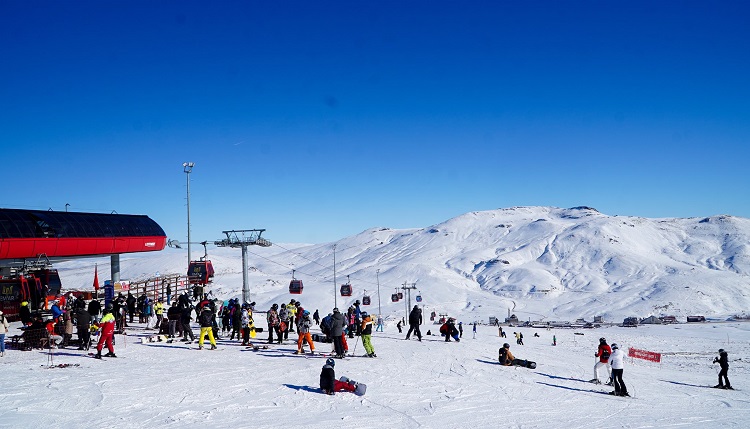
346 289
366 299
295 286
201 272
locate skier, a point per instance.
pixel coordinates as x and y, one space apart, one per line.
338 321
505 356
291 310
415 319
474 330
554 340
460 329
616 361
316 317
273 324
366 333
284 321
303 331
603 353
398 325
206 320
723 361
246 319
159 311
107 325
328 382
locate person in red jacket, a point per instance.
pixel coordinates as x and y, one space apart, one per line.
603 353
107 325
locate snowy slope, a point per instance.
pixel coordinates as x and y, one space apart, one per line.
411 384
541 263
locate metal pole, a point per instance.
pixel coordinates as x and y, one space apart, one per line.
377 276
188 168
335 297
245 287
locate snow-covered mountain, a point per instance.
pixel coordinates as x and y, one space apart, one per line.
541 263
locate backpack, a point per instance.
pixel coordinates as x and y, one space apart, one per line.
502 354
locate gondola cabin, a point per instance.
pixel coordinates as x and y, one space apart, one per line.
295 287
200 272
400 295
394 297
366 300
346 290
419 298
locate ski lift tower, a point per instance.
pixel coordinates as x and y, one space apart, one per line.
243 239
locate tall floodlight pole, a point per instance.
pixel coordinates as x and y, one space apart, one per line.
377 277
187 167
335 297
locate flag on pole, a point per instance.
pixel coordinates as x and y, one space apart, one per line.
96 277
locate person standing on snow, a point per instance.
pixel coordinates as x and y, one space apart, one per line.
460 329
273 324
723 361
398 325
474 330
366 333
107 325
379 328
415 319
206 320
303 330
616 361
338 321
603 353
316 317
3 330
185 317
284 321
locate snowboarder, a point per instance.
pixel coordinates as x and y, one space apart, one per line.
723 361
328 382
206 320
366 334
603 353
107 325
398 325
505 356
449 330
616 361
303 330
415 319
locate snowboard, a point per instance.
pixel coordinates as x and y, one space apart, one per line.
256 348
359 390
524 363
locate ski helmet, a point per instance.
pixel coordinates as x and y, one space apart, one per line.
722 351
330 362
602 340
615 346
506 346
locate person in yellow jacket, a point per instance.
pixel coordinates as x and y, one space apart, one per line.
367 334
291 311
159 311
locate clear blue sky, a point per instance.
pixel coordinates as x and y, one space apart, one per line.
317 120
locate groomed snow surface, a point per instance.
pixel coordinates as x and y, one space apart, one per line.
430 384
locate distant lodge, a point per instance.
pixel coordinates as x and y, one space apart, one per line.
512 320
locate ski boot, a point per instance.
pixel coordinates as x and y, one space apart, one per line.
98 355
110 354
213 347
595 381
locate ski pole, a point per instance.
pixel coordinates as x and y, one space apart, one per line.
355 346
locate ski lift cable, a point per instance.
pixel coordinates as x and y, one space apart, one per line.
324 266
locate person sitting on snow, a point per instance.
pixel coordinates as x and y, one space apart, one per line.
328 382
505 356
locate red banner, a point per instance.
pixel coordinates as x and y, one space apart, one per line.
644 354
96 278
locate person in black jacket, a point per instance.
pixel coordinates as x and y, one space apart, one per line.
415 319
338 322
185 318
83 323
173 316
328 382
206 319
95 307
723 361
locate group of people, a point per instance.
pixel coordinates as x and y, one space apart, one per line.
612 358
336 326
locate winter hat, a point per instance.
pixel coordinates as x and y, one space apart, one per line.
336 310
306 313
615 346
720 350
330 362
